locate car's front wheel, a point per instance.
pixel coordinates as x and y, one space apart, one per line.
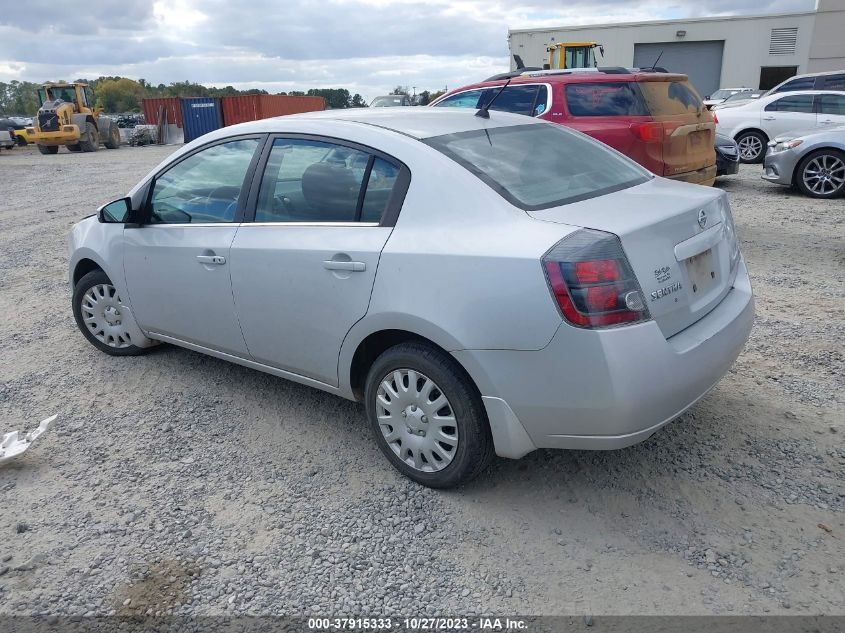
427 416
821 174
752 146
101 315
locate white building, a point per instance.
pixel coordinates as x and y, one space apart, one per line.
754 51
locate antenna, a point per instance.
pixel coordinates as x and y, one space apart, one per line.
653 66
483 112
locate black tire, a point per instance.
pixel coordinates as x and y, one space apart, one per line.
90 139
475 443
74 148
95 278
48 149
833 159
114 138
749 139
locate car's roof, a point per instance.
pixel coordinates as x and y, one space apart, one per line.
570 77
417 122
768 98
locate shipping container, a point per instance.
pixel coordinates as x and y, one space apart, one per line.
245 108
169 106
200 115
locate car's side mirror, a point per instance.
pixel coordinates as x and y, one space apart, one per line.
707 97
115 212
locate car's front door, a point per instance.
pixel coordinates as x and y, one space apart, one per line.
831 110
303 271
177 260
789 113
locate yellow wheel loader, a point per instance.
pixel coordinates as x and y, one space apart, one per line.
564 55
65 117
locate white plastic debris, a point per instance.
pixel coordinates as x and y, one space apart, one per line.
13 445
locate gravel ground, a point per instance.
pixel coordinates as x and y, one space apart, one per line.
177 483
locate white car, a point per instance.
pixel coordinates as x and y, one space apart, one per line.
753 124
477 288
721 94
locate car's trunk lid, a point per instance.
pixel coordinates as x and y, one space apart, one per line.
680 243
688 127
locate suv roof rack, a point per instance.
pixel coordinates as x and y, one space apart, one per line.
543 72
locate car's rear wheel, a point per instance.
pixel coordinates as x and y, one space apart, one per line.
821 174
752 146
100 315
427 416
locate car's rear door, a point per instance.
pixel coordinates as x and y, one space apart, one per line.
177 260
830 110
303 270
789 113
688 128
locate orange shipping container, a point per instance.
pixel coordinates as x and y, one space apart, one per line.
172 109
254 107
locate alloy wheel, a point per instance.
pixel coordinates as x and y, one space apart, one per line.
750 147
824 174
102 314
417 420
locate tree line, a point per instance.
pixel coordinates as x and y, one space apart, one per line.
120 94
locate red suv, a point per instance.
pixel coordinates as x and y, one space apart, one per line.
655 118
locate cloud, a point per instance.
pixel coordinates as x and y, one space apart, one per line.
369 46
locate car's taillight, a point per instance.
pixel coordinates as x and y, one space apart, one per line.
715 118
592 281
648 132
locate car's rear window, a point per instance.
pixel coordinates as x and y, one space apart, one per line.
542 165
670 97
617 98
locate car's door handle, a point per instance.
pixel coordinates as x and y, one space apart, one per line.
768 118
355 267
211 259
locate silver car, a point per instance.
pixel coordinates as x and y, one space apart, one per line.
483 285
814 162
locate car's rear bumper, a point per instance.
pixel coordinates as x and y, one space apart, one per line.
779 167
606 389
726 164
704 176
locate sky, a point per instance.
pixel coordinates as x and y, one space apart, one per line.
367 46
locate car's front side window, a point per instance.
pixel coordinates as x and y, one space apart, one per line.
804 83
203 188
796 103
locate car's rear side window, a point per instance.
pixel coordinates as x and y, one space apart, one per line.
832 104
538 166
617 98
834 82
670 98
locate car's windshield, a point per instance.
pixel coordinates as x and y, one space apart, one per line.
723 94
540 166
742 96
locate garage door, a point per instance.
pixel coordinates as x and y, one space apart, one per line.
702 61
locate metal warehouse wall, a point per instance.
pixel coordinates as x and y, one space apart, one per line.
827 51
746 40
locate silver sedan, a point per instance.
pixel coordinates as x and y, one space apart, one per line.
813 162
483 284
